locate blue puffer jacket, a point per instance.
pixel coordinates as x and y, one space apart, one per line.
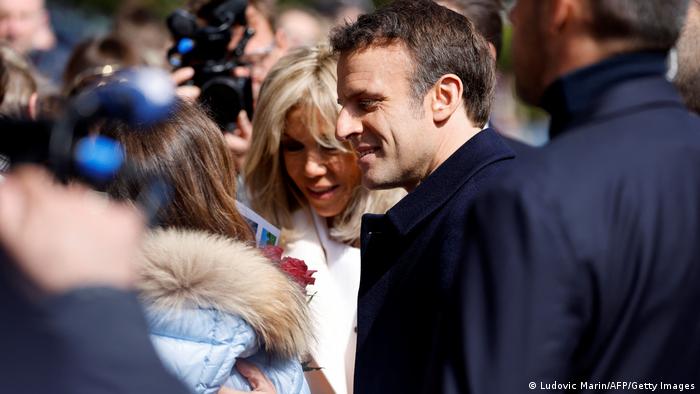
211 300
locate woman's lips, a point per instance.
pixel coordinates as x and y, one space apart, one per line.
322 193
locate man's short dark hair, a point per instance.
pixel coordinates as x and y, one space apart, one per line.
647 24
485 15
439 41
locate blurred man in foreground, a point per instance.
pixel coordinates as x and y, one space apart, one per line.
582 265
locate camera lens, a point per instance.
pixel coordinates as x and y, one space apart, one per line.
225 97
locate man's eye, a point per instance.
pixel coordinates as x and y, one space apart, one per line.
368 104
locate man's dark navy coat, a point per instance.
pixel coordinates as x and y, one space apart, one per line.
409 257
584 266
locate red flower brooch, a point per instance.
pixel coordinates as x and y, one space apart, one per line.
295 268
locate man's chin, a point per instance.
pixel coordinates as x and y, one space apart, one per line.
374 182
371 182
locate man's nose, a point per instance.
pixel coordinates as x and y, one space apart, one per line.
347 125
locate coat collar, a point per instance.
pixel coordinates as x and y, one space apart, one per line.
183 269
484 148
612 85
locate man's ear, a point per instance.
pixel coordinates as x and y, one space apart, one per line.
446 97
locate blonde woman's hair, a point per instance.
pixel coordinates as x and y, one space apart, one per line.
306 79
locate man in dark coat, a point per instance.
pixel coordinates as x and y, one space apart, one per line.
583 275
415 83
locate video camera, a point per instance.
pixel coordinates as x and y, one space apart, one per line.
206 49
66 147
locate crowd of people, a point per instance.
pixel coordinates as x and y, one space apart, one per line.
438 253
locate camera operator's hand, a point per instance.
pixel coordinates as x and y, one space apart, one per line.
65 238
185 92
239 140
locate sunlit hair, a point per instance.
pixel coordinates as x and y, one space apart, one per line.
188 152
17 84
306 79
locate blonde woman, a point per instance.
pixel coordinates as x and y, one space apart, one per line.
305 181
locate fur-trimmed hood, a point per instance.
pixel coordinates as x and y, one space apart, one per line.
194 269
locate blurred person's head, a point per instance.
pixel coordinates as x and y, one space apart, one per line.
188 152
413 79
348 13
688 49
553 38
302 27
295 160
18 87
486 17
21 21
264 48
145 32
95 59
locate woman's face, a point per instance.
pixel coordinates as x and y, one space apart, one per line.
326 177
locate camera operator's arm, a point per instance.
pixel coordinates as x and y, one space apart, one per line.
239 140
79 250
186 92
67 237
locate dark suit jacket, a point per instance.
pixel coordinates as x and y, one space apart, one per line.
584 266
89 341
409 257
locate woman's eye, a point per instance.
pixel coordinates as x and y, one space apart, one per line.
292 146
329 149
